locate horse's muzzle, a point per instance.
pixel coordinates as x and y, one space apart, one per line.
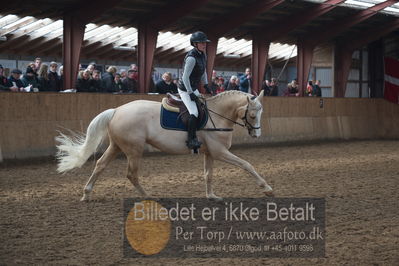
255 133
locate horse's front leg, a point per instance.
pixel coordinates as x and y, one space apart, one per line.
208 171
228 157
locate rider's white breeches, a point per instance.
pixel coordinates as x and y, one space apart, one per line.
191 106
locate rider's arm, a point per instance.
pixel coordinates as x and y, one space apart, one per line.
188 68
204 80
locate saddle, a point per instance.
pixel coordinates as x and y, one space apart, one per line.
173 104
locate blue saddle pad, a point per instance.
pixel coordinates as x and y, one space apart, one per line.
171 120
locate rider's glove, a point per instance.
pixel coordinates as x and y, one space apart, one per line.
193 97
208 90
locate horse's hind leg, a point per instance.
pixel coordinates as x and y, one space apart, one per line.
132 170
101 163
228 157
208 171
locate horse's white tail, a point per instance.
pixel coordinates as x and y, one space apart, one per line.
75 151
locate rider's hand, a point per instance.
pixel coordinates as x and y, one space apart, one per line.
193 97
208 90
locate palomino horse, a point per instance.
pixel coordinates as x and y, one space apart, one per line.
132 125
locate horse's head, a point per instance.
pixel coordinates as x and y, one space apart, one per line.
252 116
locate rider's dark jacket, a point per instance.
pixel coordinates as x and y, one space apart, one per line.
198 71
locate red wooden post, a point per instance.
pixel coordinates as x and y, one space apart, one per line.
73 37
260 51
303 63
147 40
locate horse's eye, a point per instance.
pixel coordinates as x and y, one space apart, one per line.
252 115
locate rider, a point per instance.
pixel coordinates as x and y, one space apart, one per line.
194 71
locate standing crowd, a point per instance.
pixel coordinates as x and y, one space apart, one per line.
42 77
38 77
313 89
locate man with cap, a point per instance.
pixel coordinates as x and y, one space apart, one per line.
14 80
30 78
194 72
54 78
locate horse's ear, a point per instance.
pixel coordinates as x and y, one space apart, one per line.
248 99
260 96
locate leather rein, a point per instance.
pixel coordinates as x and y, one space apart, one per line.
246 124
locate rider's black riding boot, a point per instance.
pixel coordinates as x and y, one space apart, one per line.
192 142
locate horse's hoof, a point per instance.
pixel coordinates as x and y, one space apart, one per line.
269 193
85 199
215 198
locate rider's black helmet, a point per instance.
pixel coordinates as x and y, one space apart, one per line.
198 36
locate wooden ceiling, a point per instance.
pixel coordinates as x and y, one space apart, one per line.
123 18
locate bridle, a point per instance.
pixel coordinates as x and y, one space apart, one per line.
246 124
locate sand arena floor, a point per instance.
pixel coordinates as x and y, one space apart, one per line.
42 220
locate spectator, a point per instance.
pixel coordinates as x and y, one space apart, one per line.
91 67
123 73
108 79
214 84
3 80
317 89
245 81
29 79
83 83
54 79
43 80
129 82
135 71
96 81
166 84
220 83
33 66
152 88
61 75
292 89
14 80
266 87
238 83
118 85
214 75
309 88
38 63
231 85
273 87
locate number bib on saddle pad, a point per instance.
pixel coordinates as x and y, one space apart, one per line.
174 114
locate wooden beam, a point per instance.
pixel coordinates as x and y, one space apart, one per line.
285 24
161 19
34 48
239 16
327 32
17 37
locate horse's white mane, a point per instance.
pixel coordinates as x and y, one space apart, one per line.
227 93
